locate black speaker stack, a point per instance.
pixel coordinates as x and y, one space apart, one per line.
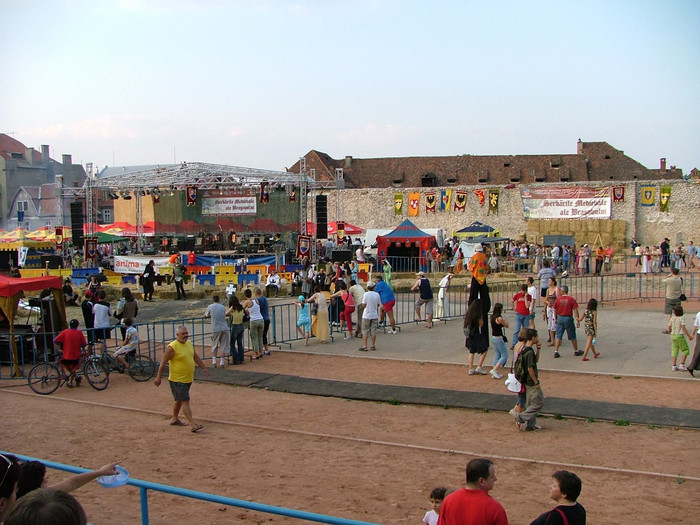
321 217
76 223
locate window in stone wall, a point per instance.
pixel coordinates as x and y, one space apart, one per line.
428 180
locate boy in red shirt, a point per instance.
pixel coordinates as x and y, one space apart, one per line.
72 342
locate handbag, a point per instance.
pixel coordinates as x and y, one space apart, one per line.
683 297
512 384
505 339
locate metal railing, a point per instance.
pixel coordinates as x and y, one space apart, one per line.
145 486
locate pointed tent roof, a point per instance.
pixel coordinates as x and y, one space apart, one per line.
407 230
476 226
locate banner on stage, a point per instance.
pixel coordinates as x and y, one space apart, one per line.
136 264
229 206
581 202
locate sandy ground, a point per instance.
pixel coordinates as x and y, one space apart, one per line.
365 461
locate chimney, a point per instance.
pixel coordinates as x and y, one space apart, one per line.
29 155
67 160
663 163
579 147
45 152
348 162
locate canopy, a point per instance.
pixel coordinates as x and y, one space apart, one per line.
403 241
12 289
28 243
476 229
350 229
105 238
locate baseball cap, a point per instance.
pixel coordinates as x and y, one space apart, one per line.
421 273
370 285
88 293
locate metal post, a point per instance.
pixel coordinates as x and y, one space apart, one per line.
144 505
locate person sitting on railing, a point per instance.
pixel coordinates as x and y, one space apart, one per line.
72 341
131 342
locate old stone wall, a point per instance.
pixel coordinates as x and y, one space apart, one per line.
374 208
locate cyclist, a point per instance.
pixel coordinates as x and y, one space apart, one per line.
131 342
71 341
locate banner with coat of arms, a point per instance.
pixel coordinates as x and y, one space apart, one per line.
664 198
59 237
648 194
460 200
413 202
494 196
303 246
398 203
191 195
481 195
430 202
446 200
618 194
264 193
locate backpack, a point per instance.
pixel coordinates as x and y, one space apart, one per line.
518 369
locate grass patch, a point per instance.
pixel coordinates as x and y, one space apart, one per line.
394 401
622 423
590 420
559 416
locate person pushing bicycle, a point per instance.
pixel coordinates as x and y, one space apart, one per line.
71 342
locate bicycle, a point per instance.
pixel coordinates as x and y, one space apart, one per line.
45 378
141 367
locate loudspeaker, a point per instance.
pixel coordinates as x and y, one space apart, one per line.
321 217
76 223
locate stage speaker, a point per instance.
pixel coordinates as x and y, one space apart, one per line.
76 222
321 217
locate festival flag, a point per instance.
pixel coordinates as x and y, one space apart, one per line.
91 248
264 194
398 203
446 200
460 200
59 237
292 193
413 202
303 246
664 198
430 202
481 195
648 194
494 196
619 194
191 194
156 198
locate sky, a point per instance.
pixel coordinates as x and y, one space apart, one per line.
260 83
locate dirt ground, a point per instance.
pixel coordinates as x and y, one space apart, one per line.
365 461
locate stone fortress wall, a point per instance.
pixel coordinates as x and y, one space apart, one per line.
374 208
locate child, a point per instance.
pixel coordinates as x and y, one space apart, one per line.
131 342
304 321
522 338
590 323
436 497
676 327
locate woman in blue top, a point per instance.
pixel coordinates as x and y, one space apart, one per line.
304 321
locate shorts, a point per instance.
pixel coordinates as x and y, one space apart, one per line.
70 364
428 305
181 391
543 292
679 344
219 340
670 303
124 350
102 334
369 326
566 323
306 324
389 305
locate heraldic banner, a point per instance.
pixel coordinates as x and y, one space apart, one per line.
303 246
618 194
494 196
446 200
413 202
398 203
460 200
582 202
664 198
430 202
648 194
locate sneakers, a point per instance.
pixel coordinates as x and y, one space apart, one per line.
481 371
578 353
514 414
347 337
496 375
556 354
682 367
674 368
471 372
393 332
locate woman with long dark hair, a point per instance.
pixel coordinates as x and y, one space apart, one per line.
476 342
498 338
236 311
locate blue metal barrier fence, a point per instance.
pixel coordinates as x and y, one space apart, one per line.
145 486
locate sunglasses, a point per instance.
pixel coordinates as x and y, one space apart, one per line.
9 466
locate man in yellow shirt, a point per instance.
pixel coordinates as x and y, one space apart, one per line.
182 358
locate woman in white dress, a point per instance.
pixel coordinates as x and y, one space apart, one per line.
646 260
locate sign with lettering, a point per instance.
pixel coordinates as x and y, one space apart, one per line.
229 205
582 202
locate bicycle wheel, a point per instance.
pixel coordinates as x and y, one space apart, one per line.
44 378
96 374
142 368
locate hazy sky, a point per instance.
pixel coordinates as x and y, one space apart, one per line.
260 83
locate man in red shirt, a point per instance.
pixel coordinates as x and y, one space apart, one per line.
472 504
72 342
564 308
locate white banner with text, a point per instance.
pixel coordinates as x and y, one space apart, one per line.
581 202
229 205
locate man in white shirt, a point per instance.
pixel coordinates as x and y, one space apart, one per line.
272 283
532 290
219 330
360 254
357 294
370 316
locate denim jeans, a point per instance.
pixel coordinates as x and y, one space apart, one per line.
521 321
237 348
501 352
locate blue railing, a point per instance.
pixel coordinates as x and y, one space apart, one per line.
145 486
